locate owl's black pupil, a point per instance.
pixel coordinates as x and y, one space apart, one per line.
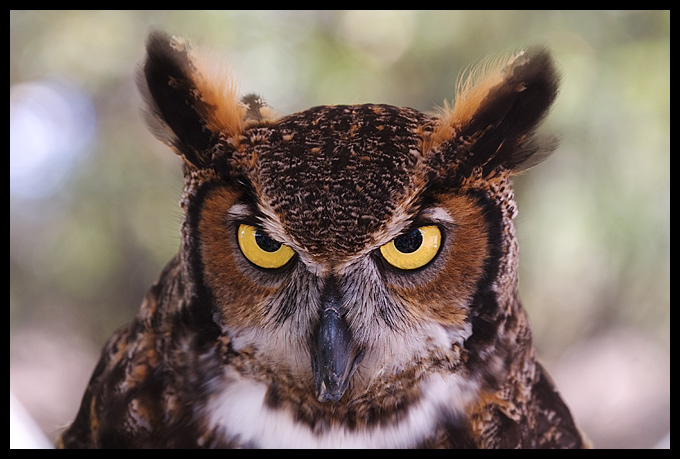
410 242
266 243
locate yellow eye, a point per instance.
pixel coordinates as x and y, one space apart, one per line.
414 249
261 249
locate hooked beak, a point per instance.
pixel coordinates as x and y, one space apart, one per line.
334 353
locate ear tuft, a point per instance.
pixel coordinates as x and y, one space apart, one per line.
192 101
473 87
497 110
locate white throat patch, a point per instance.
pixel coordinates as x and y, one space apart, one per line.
241 413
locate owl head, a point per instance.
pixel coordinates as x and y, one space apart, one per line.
353 251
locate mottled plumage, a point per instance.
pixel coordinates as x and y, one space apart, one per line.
347 275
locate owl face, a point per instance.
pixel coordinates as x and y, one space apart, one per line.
324 265
354 255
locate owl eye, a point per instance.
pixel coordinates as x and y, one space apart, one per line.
414 249
261 249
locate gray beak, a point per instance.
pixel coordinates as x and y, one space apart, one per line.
334 352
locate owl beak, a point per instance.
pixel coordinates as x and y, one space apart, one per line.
334 353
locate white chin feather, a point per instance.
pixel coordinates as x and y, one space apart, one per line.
240 413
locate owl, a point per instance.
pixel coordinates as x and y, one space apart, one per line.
347 275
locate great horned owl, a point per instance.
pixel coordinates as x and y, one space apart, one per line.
347 274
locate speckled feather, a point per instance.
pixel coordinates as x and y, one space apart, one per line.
224 353
328 168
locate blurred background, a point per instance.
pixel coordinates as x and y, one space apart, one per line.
94 210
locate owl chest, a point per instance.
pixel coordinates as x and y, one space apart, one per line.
241 413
